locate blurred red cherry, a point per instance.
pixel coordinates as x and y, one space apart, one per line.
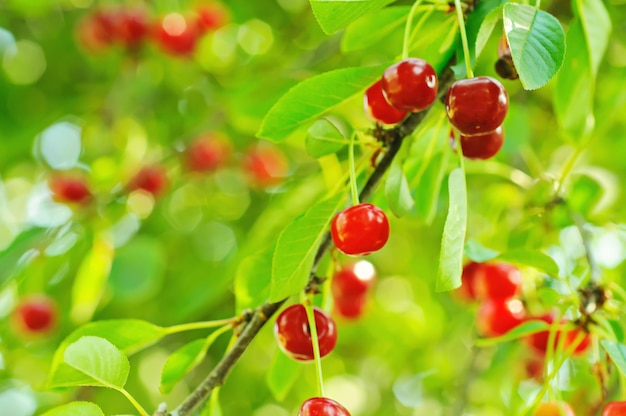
177 34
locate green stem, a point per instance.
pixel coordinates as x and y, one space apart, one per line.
466 52
199 325
407 29
567 168
353 187
134 402
316 348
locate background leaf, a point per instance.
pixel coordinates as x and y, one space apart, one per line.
524 329
537 43
397 190
74 409
323 138
282 374
252 280
359 34
617 352
333 15
100 360
16 256
532 258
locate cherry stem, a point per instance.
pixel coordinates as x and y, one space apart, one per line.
407 29
134 402
310 314
466 52
353 187
199 325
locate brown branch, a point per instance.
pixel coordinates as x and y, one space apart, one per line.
218 375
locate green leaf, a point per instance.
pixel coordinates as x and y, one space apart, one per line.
128 335
21 252
333 15
526 328
537 43
360 35
91 280
75 408
596 23
428 186
252 280
99 360
296 247
451 255
397 190
282 375
486 28
479 253
312 97
323 138
532 258
185 359
617 352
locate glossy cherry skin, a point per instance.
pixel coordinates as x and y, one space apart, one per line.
69 189
539 340
497 280
353 279
378 109
410 85
293 334
498 316
265 165
554 409
176 34
321 406
36 314
152 179
614 409
483 146
207 153
360 229
477 105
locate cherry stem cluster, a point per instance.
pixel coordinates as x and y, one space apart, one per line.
466 52
260 316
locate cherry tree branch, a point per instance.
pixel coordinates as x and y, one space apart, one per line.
218 375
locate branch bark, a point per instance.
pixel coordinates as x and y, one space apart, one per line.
218 375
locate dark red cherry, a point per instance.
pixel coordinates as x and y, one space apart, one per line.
177 34
36 314
497 280
614 409
360 229
477 105
378 109
69 189
152 179
132 26
482 146
498 316
293 334
321 406
207 153
410 85
353 279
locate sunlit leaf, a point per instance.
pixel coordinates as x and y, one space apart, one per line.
532 258
597 26
252 280
486 28
74 409
99 360
21 252
333 15
323 138
479 253
359 34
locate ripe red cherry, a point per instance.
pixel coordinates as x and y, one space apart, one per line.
360 229
539 340
177 35
36 314
293 334
96 31
265 165
152 179
69 189
131 26
211 17
378 109
554 409
207 153
467 290
477 105
353 279
497 280
350 307
410 85
498 316
614 409
321 406
482 146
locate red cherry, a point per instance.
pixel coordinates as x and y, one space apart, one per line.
477 105
360 229
69 189
152 179
265 165
176 34
378 109
467 290
534 369
410 85
614 409
353 279
496 280
132 26
207 153
293 334
482 146
95 32
498 316
321 406
211 17
539 340
350 307
36 314
554 409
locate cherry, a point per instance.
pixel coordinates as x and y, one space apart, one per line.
498 316
36 314
293 334
467 290
539 340
497 280
477 105
410 85
265 165
177 35
554 409
378 109
353 279
131 26
152 179
211 17
321 406
95 32
360 229
350 307
69 189
614 409
207 153
482 146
